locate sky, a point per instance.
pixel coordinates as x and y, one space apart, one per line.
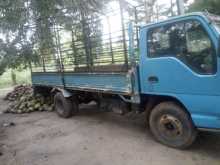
115 24
159 1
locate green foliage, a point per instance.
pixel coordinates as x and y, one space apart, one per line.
22 77
15 42
212 6
28 27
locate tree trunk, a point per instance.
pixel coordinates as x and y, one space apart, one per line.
13 77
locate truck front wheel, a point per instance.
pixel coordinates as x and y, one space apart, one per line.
65 107
171 125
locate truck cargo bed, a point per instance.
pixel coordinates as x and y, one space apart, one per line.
102 82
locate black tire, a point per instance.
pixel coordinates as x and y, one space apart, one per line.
172 126
65 107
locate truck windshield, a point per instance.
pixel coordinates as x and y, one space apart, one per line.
216 20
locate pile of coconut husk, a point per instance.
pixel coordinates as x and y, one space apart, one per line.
19 91
23 100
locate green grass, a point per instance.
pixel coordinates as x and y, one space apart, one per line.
22 77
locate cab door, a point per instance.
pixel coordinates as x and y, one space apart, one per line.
180 57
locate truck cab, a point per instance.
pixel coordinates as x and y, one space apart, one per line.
179 59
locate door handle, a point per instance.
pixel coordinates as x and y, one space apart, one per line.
153 79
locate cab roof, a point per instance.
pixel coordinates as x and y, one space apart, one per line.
201 14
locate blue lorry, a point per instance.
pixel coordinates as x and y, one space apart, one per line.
175 80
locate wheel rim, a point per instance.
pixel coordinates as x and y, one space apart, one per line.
170 127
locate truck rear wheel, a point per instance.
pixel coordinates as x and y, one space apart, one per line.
65 107
171 125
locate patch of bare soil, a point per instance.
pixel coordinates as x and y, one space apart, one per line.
92 138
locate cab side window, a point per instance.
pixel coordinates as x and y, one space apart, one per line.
187 41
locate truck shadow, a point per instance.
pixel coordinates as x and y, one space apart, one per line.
207 144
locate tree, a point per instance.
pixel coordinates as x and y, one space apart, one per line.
82 19
212 6
14 39
31 28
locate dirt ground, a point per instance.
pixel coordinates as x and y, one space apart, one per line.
93 138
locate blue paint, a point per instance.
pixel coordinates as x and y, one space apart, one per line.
131 43
109 83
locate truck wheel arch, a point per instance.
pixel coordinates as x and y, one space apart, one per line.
153 100
64 92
